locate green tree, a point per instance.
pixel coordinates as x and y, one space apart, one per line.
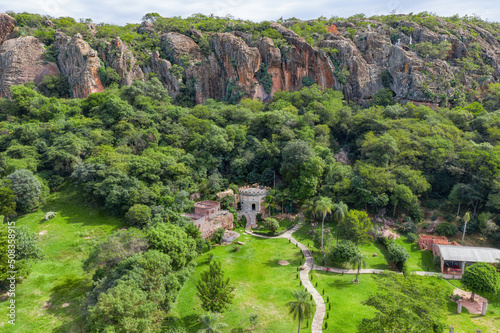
214 290
344 252
357 261
173 241
340 210
323 205
397 254
272 224
117 247
211 323
356 227
481 278
406 304
7 201
301 307
27 188
139 215
466 219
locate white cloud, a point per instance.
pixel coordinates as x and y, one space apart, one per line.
131 11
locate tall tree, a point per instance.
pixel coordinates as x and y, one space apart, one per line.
211 323
339 212
357 261
481 278
466 219
301 307
324 206
214 290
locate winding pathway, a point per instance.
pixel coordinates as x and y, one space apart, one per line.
317 323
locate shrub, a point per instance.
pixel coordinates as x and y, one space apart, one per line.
397 254
217 236
437 263
139 215
342 253
412 237
446 229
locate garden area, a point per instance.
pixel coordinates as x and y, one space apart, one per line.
262 286
346 312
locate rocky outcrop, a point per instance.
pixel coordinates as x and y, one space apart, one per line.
301 60
239 62
115 54
79 62
7 26
23 60
226 72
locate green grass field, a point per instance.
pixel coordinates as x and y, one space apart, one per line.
347 311
49 299
262 286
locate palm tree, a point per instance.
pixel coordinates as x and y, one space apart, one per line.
308 208
211 323
324 206
270 201
301 307
339 212
357 261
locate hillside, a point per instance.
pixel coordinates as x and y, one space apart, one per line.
420 58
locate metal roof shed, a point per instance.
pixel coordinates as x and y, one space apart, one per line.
469 253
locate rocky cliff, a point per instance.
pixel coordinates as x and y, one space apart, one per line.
80 63
23 60
420 59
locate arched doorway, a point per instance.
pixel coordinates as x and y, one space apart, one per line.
253 206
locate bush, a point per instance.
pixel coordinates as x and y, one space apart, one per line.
397 254
139 215
217 236
446 229
384 241
342 253
437 263
412 237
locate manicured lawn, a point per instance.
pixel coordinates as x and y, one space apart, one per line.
285 224
49 300
347 311
262 286
419 260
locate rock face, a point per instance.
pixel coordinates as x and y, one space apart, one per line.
302 60
7 25
224 221
227 71
116 55
79 62
22 60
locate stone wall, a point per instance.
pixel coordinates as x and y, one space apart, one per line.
224 220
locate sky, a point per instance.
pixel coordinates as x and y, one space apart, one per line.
131 11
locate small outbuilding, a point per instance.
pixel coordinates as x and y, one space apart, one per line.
454 259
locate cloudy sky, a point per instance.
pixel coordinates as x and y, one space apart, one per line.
131 11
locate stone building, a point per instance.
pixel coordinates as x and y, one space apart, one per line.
208 217
252 202
252 199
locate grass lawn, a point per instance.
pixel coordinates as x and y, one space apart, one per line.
49 298
285 224
347 311
262 286
419 260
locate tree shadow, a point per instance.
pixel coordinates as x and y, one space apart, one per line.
340 284
188 322
69 204
66 301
